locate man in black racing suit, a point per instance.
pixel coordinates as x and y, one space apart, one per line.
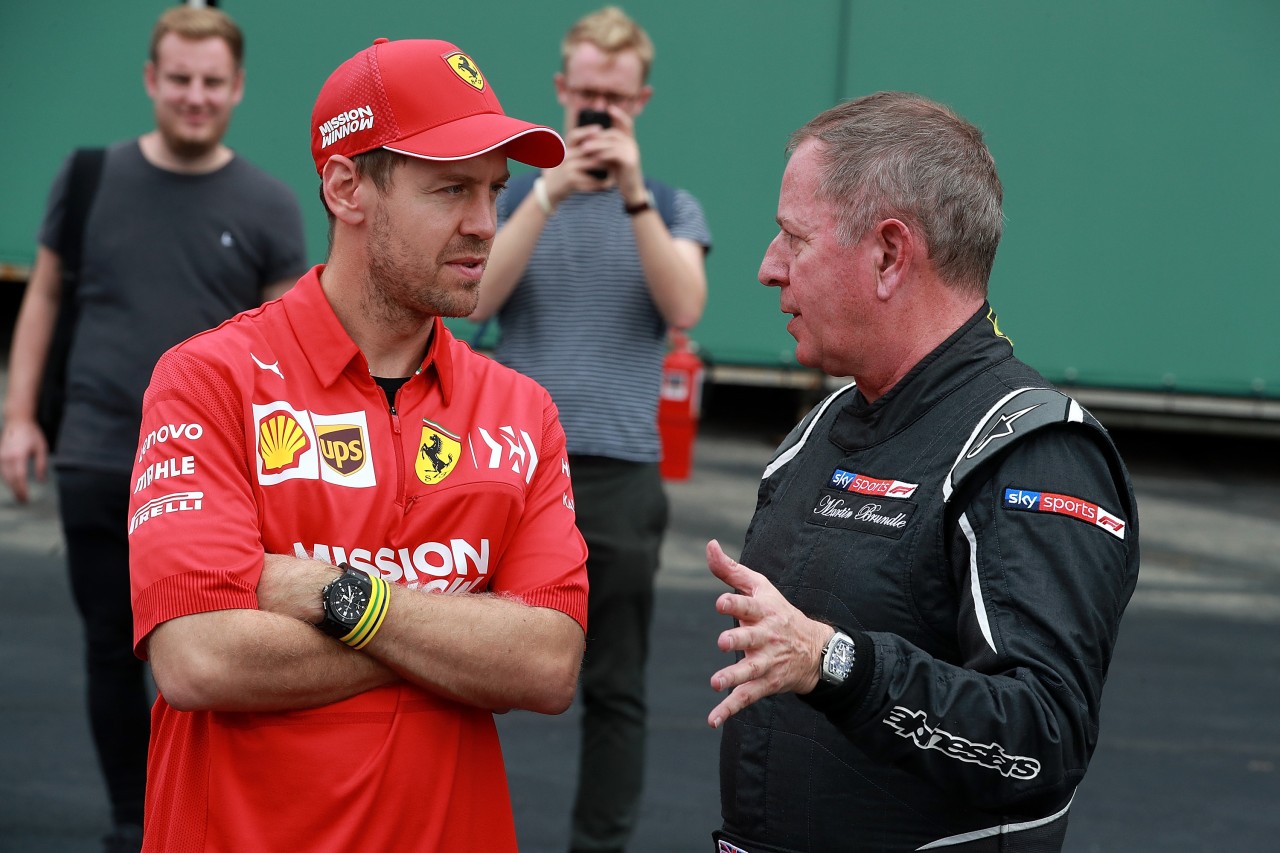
940 555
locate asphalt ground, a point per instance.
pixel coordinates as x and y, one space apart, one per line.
1189 758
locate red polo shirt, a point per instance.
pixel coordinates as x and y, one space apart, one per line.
268 435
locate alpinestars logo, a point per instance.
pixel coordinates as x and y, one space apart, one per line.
1002 428
914 725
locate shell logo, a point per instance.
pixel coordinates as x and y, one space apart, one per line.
281 442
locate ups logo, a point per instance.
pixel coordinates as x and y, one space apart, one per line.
342 447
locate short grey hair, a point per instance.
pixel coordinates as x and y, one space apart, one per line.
900 155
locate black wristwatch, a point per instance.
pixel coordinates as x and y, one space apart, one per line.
640 206
354 606
837 658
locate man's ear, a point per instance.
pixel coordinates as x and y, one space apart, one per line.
149 80
237 88
562 89
642 99
895 245
340 182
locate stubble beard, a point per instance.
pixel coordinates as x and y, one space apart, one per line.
397 294
190 149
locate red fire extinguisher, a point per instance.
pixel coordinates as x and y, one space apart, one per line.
679 407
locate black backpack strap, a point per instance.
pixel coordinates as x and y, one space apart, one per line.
82 185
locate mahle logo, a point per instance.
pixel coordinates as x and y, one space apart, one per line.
342 447
465 67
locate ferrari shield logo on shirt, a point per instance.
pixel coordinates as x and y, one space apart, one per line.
437 453
286 445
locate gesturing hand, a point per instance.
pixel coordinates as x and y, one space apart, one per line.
782 646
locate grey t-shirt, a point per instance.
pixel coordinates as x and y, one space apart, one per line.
166 255
582 323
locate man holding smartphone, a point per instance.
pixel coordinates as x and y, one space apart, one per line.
592 264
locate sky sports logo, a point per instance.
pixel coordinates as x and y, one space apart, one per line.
848 481
1091 513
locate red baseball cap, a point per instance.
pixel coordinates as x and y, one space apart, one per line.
424 98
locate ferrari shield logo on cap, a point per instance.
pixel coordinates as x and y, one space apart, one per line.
465 67
437 453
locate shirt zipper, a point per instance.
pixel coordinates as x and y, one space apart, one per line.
399 443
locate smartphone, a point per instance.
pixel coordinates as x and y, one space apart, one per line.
589 116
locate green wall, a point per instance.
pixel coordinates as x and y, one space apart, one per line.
1136 141
1139 146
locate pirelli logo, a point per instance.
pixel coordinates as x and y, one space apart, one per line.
165 505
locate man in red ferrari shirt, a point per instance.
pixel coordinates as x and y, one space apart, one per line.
352 539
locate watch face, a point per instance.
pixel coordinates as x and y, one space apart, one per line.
837 659
840 658
347 601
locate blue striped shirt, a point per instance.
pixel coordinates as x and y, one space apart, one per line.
581 322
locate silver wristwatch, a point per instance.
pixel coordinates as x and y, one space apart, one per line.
837 658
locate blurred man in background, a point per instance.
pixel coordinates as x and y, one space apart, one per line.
593 262
181 234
